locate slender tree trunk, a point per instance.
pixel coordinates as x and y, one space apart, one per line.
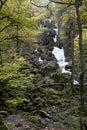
59 27
2 3
78 4
72 53
17 47
82 106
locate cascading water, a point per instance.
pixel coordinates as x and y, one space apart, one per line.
40 60
59 55
75 82
55 39
57 52
56 31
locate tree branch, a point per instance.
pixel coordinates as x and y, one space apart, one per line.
52 1
4 17
42 6
2 3
63 3
5 27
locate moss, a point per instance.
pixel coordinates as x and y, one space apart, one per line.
3 127
36 119
49 91
57 76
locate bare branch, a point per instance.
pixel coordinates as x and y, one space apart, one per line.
4 28
48 8
52 1
63 3
42 6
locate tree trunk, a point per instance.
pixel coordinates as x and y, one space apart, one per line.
78 4
72 51
82 106
2 3
17 47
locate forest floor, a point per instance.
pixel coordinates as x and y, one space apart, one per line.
16 122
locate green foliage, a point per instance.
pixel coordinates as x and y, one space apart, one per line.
18 24
12 81
2 126
9 70
18 14
13 103
48 80
50 91
34 118
76 49
67 91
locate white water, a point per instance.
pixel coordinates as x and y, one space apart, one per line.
40 60
55 38
56 30
59 55
75 82
50 20
36 50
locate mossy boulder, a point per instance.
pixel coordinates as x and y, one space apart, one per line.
49 67
59 77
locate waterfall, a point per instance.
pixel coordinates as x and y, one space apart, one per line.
56 30
55 38
57 52
59 55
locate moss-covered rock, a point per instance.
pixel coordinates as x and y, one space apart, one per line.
49 68
59 77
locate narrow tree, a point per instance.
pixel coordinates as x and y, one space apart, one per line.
77 6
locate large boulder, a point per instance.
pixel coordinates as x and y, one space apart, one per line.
49 67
